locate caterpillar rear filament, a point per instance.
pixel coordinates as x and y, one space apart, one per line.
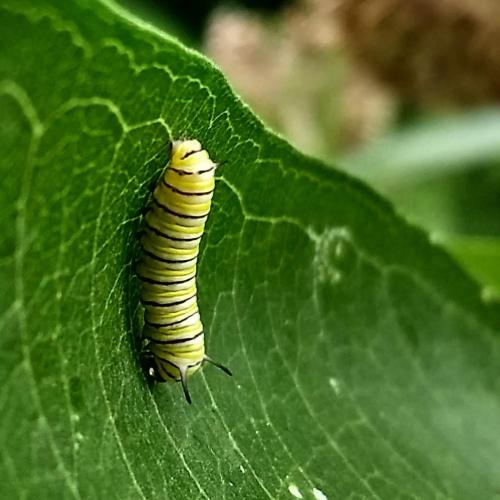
173 228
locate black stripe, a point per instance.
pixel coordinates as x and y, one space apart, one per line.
165 325
175 341
182 216
185 172
166 236
171 377
189 153
156 282
174 365
166 304
167 261
186 193
168 362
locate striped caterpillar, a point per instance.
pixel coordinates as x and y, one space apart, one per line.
173 228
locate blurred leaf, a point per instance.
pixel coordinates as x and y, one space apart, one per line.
366 365
429 149
467 203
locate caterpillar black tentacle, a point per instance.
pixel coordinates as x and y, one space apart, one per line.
170 241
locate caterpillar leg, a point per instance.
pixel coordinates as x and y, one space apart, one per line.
227 371
183 372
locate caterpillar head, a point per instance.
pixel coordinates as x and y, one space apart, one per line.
188 153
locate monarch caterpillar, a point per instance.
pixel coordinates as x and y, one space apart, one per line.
173 228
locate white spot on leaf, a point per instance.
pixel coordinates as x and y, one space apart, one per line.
319 495
294 490
79 437
334 384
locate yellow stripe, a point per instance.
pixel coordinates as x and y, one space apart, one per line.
175 230
185 208
180 253
172 331
187 182
155 218
163 274
188 310
160 297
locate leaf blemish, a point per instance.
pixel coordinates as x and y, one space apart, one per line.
79 437
335 255
294 491
335 385
319 495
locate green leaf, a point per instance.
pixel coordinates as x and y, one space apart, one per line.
365 363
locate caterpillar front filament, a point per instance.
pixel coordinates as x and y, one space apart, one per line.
173 228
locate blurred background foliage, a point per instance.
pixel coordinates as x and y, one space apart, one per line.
405 95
